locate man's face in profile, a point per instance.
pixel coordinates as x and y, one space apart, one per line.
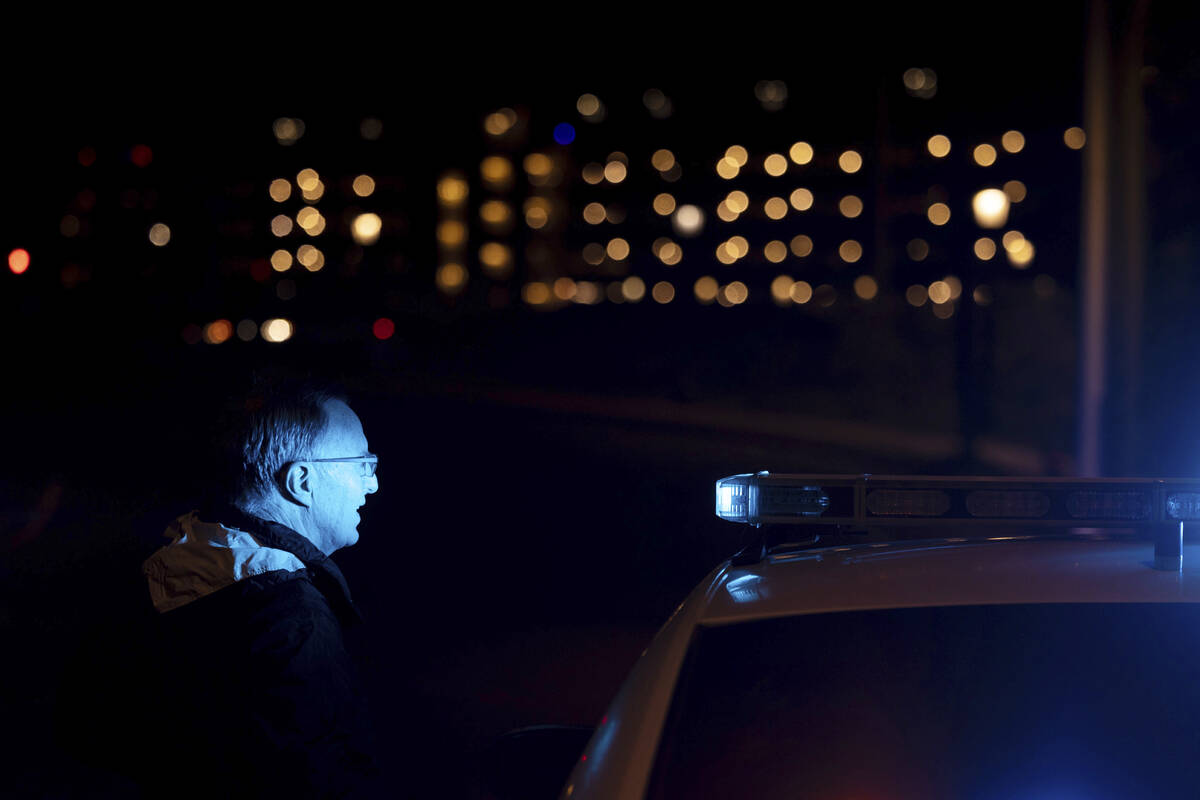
339 489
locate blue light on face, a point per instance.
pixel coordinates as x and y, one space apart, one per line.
564 133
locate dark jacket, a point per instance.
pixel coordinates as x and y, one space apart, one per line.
256 692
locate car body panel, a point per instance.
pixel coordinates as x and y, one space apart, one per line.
1004 569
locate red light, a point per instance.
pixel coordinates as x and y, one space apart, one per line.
260 270
383 328
87 156
141 155
18 261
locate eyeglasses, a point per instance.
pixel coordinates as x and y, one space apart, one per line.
369 463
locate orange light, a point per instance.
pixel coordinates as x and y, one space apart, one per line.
18 260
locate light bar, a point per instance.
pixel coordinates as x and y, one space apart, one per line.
877 500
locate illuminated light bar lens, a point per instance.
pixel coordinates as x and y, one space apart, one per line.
742 498
908 502
1108 505
1008 504
1183 505
733 499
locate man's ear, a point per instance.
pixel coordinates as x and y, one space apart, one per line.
296 485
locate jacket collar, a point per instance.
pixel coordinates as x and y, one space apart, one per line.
326 575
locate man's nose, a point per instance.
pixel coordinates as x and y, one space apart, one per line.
372 484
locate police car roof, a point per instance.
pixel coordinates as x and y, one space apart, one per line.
949 571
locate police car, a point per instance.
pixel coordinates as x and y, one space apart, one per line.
923 638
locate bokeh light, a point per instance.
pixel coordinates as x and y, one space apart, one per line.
451 233
159 234
939 292
315 193
537 212
633 289
218 331
277 330
801 153
688 220
801 199
499 122
383 328
775 164
310 257
615 171
985 248
781 288
850 161
938 213
1022 255
990 207
536 293
916 295
737 155
667 251
727 169
801 292
1012 241
496 172
850 206
982 295
564 133
370 129
496 259
705 288
1012 141
801 245
281 261
450 278
281 225
590 107
366 228
594 213
984 155
363 186
592 173
662 160
496 214
866 287
775 251
664 204
452 190
288 130
663 292
307 179
737 201
1074 138
617 249
280 189
850 251
564 288
775 208
938 145
19 260
1015 190
737 293
917 249
247 329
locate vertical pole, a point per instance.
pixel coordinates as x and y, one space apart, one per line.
1093 342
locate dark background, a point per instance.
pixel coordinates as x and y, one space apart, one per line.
546 481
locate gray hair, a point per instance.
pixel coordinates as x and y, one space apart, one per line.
276 424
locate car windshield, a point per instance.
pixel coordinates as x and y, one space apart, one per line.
984 702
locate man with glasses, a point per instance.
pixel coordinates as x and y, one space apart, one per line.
256 691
